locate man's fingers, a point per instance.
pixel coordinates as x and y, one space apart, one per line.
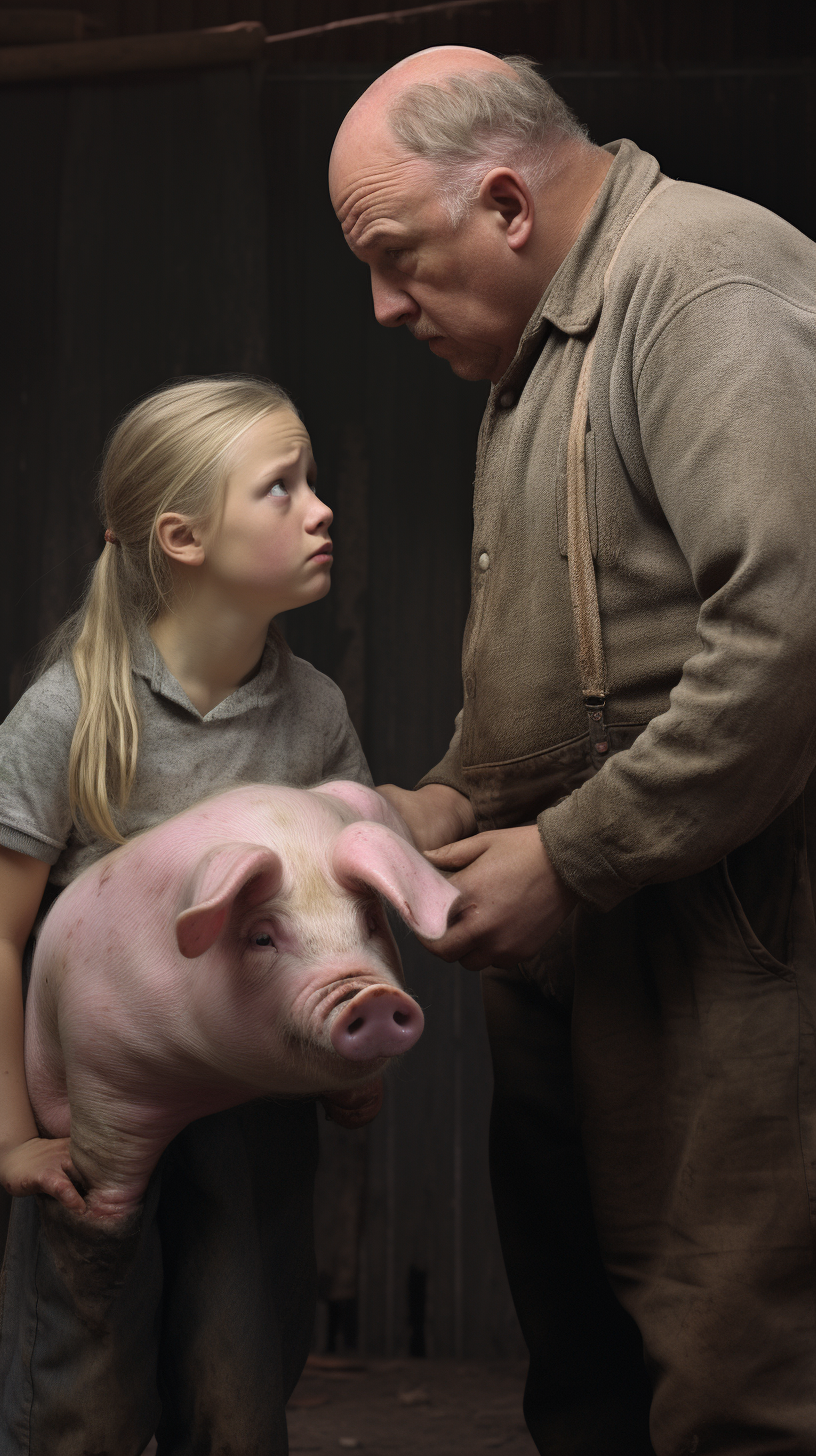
457 855
460 941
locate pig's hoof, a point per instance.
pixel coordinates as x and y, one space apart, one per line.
357 1106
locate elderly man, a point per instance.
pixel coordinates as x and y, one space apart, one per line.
627 797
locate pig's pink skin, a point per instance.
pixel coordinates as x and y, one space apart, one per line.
129 1038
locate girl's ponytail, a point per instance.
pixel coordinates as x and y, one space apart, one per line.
106 738
171 452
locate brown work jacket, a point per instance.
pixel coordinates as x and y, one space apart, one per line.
700 465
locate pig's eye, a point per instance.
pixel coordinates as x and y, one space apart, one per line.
372 921
262 939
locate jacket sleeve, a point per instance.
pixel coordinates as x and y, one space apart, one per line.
725 398
449 769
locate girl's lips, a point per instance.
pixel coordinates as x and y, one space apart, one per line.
323 553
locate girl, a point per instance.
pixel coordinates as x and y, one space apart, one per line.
170 684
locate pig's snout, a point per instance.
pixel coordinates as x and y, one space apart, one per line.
380 1022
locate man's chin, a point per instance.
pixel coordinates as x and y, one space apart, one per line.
466 366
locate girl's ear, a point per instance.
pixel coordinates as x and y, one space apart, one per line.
179 539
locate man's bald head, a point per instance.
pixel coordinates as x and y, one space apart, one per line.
423 66
464 111
462 180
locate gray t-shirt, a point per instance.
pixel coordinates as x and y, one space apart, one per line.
287 725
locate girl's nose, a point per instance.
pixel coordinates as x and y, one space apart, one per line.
319 515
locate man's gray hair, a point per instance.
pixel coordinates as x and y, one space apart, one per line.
469 123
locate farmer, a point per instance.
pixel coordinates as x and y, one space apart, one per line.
628 794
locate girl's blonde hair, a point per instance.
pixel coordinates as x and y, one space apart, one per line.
171 452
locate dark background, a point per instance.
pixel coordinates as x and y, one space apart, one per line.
163 224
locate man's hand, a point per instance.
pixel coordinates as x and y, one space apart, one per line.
435 814
512 898
41 1165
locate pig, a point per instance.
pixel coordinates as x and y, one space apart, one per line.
240 949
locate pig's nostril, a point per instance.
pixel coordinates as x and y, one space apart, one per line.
355 1025
401 1018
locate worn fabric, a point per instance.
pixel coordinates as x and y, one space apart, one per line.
700 451
287 725
197 1318
587 1391
198 1315
656 1063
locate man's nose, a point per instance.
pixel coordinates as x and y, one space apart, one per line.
392 306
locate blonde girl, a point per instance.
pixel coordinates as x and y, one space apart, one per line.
169 684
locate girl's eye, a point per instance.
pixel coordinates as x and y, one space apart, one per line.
278 488
263 939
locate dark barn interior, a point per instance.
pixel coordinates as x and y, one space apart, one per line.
173 219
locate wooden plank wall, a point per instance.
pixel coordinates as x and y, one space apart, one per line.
176 224
595 32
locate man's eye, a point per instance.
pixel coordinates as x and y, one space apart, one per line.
278 488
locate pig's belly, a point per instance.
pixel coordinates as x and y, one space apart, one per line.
45 1070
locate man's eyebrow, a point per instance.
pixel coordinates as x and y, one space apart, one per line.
380 236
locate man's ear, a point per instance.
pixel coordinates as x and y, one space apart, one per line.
505 193
179 539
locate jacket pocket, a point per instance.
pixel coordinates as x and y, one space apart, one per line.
761 882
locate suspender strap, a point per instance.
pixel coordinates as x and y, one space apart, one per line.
583 588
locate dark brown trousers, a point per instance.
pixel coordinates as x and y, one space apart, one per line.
194 1322
654 1164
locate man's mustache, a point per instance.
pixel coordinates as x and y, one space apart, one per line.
424 331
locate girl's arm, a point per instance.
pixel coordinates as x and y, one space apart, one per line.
28 1163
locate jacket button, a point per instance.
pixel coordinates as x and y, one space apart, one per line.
484 561
507 400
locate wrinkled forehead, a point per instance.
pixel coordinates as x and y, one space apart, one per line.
375 184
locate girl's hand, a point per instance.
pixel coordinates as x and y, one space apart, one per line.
41 1165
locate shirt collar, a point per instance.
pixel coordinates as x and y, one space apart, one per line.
148 663
573 298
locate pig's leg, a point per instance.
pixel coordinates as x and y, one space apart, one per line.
115 1146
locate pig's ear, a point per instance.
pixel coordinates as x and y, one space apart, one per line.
371 855
366 803
230 870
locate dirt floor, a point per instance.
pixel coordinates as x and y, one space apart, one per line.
393 1407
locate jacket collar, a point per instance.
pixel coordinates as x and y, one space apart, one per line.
573 298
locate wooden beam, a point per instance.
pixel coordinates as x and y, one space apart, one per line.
382 17
40 27
223 46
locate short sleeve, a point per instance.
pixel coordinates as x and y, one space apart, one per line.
343 753
35 746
